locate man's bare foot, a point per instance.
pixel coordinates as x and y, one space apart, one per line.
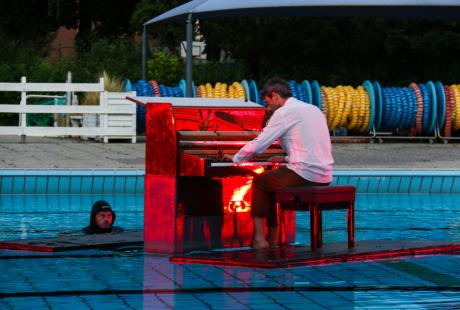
259 245
272 243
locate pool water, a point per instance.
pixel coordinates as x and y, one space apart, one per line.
132 279
393 217
41 216
378 216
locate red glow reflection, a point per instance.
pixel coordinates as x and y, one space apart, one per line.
237 206
239 200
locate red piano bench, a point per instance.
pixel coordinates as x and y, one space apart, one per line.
316 199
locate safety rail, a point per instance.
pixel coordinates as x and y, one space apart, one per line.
117 116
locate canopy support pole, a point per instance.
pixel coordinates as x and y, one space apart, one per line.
188 60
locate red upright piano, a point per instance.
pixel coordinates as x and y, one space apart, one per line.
193 199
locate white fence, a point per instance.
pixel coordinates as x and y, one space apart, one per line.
116 116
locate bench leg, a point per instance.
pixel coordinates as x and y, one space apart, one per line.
319 218
313 227
351 225
281 226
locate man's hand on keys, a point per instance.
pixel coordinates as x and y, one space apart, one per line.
228 157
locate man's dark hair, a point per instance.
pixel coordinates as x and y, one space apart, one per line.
276 85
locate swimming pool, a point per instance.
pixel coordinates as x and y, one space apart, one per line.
131 279
378 216
42 216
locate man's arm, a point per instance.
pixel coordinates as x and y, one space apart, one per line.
278 159
274 129
228 157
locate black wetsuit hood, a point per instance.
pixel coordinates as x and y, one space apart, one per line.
98 206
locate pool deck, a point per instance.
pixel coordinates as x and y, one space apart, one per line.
75 153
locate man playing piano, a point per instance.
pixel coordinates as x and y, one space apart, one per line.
303 133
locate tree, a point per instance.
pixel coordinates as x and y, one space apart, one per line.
24 19
93 19
339 50
166 36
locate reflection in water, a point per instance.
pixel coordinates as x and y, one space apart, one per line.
23 228
345 286
392 217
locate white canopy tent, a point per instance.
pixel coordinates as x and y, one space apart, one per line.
199 9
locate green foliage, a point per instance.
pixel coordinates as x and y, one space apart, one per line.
147 9
164 35
93 19
213 71
118 56
25 19
339 50
47 71
169 69
165 68
16 51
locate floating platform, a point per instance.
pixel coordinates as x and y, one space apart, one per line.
71 243
292 255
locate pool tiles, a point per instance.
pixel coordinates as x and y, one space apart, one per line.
13 181
400 181
154 273
138 281
61 181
